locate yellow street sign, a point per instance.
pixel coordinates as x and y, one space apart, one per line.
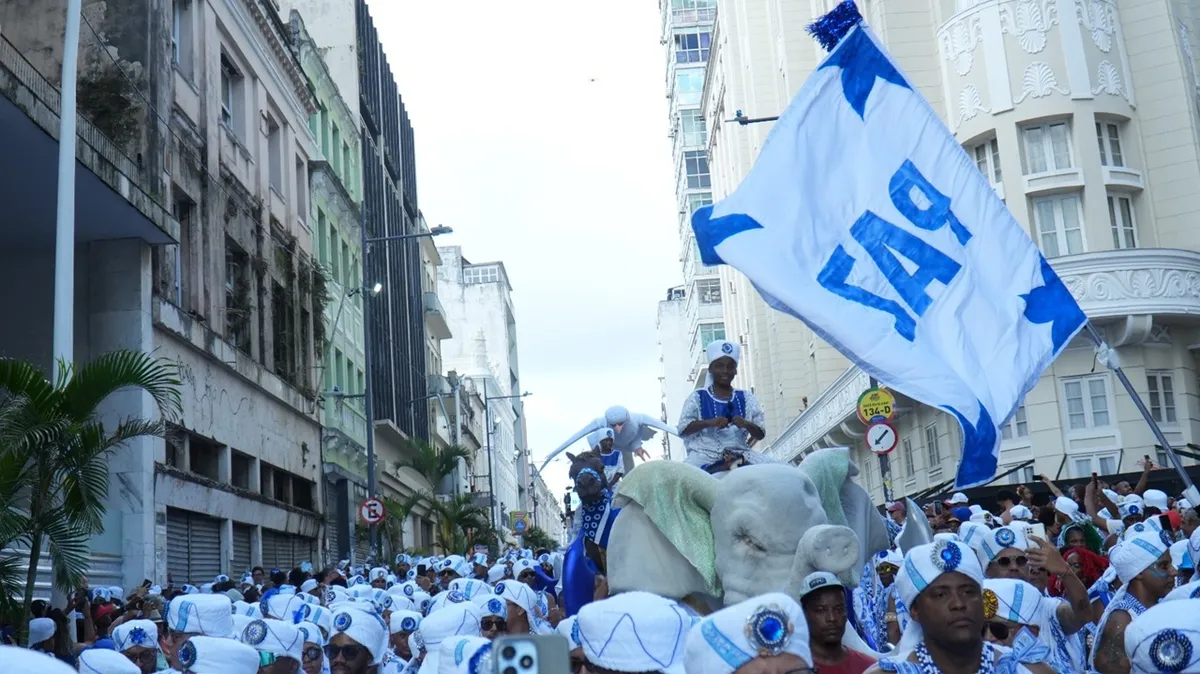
876 406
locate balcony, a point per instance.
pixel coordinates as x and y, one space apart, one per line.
435 317
832 412
1050 182
1135 282
1123 178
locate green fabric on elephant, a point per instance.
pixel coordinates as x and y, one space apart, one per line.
828 469
678 498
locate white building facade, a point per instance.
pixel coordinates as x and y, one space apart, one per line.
1086 121
478 306
687 36
675 366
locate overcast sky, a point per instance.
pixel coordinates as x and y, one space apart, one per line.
541 138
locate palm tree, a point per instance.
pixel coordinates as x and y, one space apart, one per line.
535 538
391 529
436 463
54 453
458 517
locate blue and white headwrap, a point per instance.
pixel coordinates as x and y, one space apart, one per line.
1166 638
723 642
923 565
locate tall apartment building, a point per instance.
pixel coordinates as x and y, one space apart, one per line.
687 36
675 366
479 309
545 508
199 156
1086 121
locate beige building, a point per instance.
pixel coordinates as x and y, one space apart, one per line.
1084 116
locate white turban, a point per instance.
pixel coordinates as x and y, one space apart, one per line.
635 632
41 629
455 563
569 629
311 634
721 349
309 585
1015 600
1194 546
1166 638
1155 498
214 655
445 599
401 602
470 587
1188 591
596 437
404 621
104 661
497 573
422 600
276 637
19 659
479 559
378 573
726 640
134 634
240 622
491 605
465 655
207 614
923 565
1020 512
1069 507
1180 558
364 627
337 593
1001 539
252 610
518 593
455 620
1142 547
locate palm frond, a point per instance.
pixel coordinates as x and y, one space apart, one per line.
19 378
70 554
116 370
435 463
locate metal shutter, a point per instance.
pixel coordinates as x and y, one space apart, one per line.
193 547
242 535
270 550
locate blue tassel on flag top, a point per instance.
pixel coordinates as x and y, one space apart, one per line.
831 28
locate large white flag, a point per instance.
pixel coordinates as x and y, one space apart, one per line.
864 218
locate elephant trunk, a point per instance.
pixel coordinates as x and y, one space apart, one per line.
824 547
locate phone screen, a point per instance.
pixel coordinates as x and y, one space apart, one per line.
1165 522
420 569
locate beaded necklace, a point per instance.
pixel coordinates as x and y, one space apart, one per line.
987 660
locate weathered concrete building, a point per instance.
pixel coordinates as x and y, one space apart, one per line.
210 108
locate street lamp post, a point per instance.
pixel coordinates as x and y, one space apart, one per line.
487 420
368 391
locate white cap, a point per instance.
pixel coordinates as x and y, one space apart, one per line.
817 580
212 655
18 659
104 661
1020 512
958 498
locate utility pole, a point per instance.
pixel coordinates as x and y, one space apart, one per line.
64 227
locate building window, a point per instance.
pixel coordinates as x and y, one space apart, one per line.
692 47
184 210
335 256
335 157
275 154
709 290
181 37
1162 397
932 450
1101 464
1021 476
987 158
1120 216
689 85
1059 224
907 460
322 237
696 201
1109 139
694 128
237 295
231 91
346 165
1047 147
1017 427
711 332
482 274
1087 402
302 191
696 164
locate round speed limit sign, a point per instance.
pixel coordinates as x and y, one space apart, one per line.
372 511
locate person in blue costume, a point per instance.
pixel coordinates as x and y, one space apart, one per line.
719 423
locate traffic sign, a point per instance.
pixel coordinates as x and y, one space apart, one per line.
519 522
372 511
876 405
881 438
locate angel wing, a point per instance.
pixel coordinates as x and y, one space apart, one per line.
649 424
916 530
594 425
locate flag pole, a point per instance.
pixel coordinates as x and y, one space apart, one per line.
64 231
1108 357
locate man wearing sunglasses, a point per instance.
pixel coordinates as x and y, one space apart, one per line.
357 641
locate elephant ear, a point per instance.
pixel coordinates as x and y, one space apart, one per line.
829 469
678 499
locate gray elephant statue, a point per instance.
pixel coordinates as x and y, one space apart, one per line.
717 540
